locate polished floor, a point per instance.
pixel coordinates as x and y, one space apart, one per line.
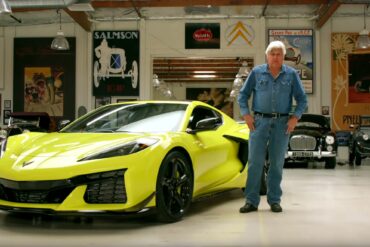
321 208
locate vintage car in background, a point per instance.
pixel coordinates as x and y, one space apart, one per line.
20 122
313 140
126 158
359 143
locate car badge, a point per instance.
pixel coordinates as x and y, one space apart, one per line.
26 163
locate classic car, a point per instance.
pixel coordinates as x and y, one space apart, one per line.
359 143
312 139
126 158
27 121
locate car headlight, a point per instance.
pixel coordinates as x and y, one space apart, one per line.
329 140
365 137
125 149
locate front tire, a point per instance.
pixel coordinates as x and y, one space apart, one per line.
174 187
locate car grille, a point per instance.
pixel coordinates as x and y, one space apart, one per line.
104 187
24 196
302 142
107 190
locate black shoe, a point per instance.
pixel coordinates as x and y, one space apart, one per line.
276 208
247 208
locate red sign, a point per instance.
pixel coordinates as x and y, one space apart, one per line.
202 35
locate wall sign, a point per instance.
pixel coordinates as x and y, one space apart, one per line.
116 63
202 35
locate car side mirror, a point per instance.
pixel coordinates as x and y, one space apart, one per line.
208 123
205 124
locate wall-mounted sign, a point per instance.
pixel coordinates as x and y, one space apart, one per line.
299 52
240 33
116 63
202 35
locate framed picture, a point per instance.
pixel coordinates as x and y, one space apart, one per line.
325 110
299 52
100 101
124 100
7 104
217 97
116 60
44 79
6 114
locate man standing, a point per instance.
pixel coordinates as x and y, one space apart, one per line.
273 87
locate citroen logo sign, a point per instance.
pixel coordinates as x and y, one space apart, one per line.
240 32
26 163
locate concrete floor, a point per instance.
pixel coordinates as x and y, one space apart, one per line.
321 208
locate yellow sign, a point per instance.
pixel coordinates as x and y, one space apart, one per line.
240 33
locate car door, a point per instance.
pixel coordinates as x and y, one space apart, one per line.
213 152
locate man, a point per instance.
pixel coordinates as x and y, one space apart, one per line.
273 86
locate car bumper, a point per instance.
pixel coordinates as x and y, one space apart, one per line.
92 193
309 154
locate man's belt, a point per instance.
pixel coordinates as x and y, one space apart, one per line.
271 115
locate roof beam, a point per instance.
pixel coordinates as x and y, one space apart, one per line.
81 18
182 3
326 11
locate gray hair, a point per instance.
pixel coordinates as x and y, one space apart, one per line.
276 45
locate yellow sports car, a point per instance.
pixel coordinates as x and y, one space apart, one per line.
125 158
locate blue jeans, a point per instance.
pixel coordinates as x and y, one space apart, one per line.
269 133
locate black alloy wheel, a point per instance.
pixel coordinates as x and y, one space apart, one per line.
174 187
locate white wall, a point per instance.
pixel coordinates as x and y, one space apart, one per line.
162 38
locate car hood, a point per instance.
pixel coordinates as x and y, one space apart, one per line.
67 145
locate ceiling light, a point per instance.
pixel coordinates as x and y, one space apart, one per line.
363 38
204 72
204 76
60 42
4 7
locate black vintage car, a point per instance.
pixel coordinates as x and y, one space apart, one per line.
28 121
359 143
313 139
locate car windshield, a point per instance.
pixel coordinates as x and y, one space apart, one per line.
147 117
309 124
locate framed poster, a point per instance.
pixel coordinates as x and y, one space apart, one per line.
116 63
7 104
125 100
100 101
217 97
202 35
299 52
6 116
44 79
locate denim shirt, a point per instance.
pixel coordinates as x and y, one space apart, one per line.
272 94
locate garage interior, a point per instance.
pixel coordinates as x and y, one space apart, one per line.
321 207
